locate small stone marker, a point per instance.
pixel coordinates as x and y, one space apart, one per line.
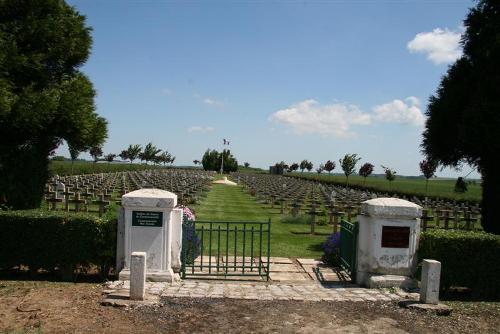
431 274
137 275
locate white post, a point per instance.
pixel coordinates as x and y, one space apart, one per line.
137 275
429 289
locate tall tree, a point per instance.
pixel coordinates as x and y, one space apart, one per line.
150 152
365 170
320 169
133 152
428 169
303 165
96 153
329 166
390 175
309 166
73 153
44 98
348 164
463 116
212 161
294 167
124 155
110 157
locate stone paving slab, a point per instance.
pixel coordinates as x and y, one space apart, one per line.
309 261
115 293
288 276
281 291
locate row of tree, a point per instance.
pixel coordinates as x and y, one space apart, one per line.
348 165
151 153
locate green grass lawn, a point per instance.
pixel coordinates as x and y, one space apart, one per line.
437 187
227 203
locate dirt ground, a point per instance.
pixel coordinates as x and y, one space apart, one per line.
51 307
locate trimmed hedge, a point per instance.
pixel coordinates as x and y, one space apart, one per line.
468 259
47 240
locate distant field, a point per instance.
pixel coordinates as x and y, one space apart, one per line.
86 167
437 187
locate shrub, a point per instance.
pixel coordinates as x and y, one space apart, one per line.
48 240
468 259
331 249
191 242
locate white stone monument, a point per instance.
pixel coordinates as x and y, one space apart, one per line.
146 223
389 230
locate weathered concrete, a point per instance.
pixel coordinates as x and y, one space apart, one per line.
155 240
137 275
376 259
429 283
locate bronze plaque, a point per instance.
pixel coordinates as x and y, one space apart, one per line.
395 236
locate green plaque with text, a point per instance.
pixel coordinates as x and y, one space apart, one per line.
147 218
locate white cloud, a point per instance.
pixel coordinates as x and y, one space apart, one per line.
200 129
213 102
310 117
398 111
441 46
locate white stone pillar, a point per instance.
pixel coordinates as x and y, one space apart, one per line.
147 227
389 230
176 239
137 275
429 283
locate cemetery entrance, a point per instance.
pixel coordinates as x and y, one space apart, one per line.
225 250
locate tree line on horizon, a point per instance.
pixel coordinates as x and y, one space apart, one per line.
348 165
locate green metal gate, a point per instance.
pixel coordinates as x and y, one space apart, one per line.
348 247
225 249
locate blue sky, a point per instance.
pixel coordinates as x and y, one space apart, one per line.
281 80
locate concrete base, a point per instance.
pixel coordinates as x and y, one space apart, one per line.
438 309
373 281
154 276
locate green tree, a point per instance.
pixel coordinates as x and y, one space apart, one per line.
150 152
96 153
460 185
294 167
303 165
309 166
463 116
428 169
320 169
212 161
133 152
124 155
110 157
246 164
73 153
44 98
329 166
365 171
348 164
390 175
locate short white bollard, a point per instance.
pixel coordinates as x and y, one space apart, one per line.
429 289
137 275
